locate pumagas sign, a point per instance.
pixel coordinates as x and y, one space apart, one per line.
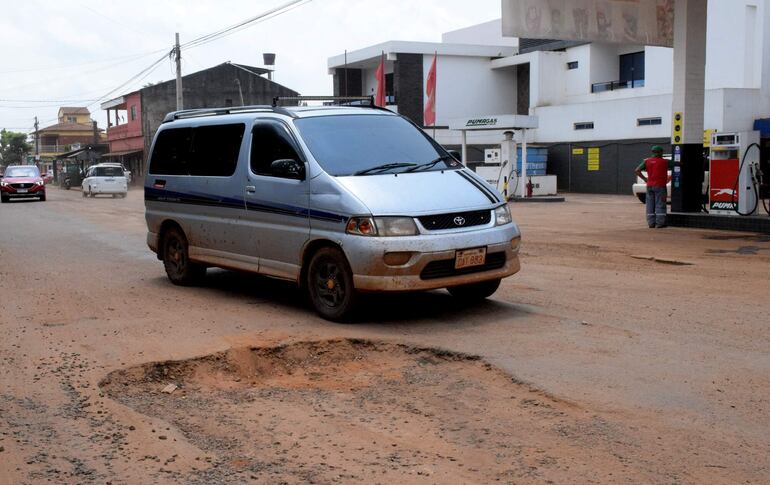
647 22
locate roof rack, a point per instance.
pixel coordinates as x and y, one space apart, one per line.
362 101
201 112
341 100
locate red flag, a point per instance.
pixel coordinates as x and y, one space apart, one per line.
429 115
379 100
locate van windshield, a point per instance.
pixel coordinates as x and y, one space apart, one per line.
371 144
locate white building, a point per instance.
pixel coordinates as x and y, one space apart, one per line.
616 97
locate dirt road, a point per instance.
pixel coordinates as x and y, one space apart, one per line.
594 364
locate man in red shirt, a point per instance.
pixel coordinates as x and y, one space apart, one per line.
657 177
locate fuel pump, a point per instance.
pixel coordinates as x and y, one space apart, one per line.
734 174
508 163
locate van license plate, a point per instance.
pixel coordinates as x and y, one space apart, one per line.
21 191
470 257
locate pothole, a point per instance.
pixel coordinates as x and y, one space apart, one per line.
362 410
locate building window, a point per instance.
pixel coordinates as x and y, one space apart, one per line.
632 70
584 125
572 65
228 102
390 95
72 119
133 112
649 121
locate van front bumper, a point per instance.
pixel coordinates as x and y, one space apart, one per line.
431 264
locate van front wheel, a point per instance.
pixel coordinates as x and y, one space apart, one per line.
330 285
176 260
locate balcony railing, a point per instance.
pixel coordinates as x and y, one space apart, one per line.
54 148
615 85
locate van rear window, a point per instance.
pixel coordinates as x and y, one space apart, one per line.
108 172
203 150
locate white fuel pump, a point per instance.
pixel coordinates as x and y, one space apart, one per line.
508 162
734 174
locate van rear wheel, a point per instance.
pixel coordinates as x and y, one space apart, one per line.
330 285
475 291
176 260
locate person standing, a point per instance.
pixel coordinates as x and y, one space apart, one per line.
657 178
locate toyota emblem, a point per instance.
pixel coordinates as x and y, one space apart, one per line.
459 221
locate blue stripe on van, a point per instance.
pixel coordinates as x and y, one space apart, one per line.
482 188
162 195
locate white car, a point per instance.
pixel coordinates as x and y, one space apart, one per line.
105 178
639 189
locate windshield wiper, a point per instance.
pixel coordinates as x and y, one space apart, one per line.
384 167
430 164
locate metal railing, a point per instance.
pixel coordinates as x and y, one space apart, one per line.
54 148
615 85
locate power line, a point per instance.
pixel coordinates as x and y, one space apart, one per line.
137 55
274 12
91 71
197 42
137 77
3 100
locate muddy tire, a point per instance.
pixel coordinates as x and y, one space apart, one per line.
85 194
42 198
642 198
330 285
176 260
4 199
475 291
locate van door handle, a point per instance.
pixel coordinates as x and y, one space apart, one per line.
251 189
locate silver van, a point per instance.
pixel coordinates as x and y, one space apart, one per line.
340 200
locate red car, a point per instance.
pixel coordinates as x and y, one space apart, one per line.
21 181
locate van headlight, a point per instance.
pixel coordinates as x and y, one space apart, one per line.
503 215
382 226
396 226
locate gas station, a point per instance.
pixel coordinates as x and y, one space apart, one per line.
738 198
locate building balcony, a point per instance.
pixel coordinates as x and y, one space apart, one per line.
119 132
53 149
616 85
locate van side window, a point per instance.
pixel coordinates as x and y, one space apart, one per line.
210 150
271 141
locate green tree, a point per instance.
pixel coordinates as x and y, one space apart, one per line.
13 146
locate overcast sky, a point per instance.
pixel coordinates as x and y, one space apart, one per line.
80 50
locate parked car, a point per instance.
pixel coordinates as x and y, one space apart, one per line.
339 200
22 181
639 189
105 178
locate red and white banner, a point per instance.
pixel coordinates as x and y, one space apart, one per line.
429 114
379 99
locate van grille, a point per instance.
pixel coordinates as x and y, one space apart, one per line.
446 267
22 186
456 220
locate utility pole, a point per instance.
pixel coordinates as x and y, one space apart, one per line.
178 58
240 90
37 141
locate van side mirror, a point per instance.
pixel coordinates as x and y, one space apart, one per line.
288 168
455 154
